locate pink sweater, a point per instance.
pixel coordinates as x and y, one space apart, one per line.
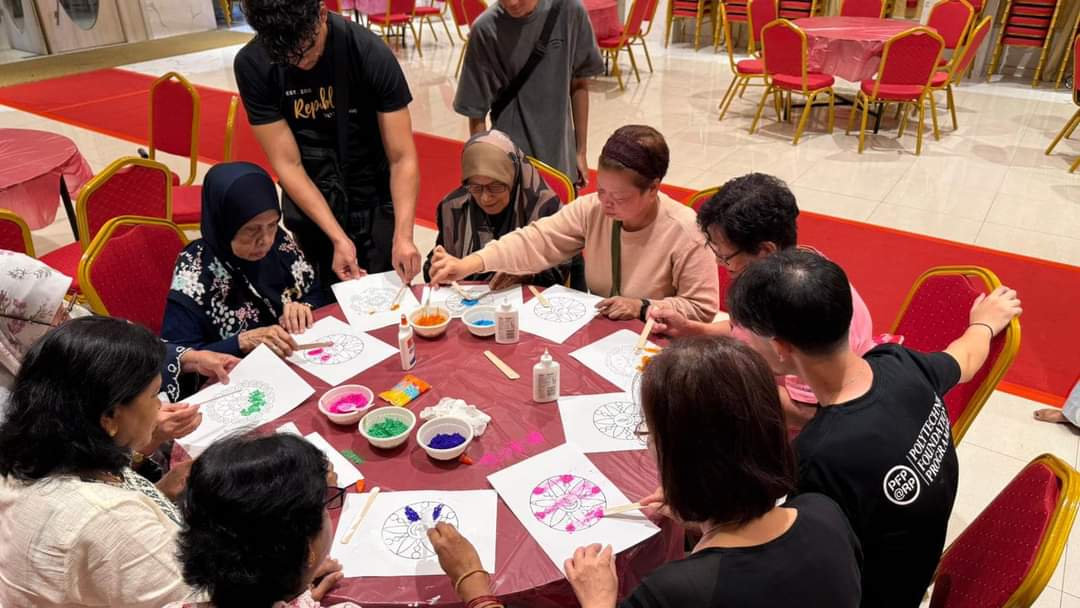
665 261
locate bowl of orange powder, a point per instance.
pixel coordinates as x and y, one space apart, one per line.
430 322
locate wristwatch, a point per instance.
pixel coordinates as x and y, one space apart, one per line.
644 310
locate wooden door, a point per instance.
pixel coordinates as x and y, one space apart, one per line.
71 25
21 24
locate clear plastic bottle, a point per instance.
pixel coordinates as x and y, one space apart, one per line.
406 344
546 379
506 324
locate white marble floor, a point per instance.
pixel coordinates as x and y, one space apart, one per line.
987 183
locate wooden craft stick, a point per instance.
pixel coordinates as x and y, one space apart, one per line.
503 367
539 296
427 298
360 518
622 509
394 304
221 396
460 290
644 337
314 345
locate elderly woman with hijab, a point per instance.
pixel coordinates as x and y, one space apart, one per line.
640 246
245 282
500 192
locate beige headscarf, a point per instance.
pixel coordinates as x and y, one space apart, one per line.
29 291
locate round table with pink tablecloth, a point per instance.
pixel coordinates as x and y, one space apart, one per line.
848 47
34 167
604 16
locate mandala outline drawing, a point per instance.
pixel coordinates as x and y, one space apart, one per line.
405 530
344 348
240 404
623 361
374 300
619 420
457 305
561 310
567 503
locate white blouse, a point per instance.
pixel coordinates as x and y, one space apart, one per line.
72 542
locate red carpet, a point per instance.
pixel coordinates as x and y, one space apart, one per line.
882 262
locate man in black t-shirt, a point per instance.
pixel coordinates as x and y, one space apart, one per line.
881 444
348 214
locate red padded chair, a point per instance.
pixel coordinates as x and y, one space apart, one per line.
951 19
15 234
736 11
798 9
1073 122
863 8
651 6
1008 554
612 45
907 67
761 13
398 16
743 72
464 13
240 142
174 129
132 251
424 14
784 48
556 180
935 313
128 186
698 10
943 81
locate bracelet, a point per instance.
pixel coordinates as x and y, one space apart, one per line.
461 579
483 601
987 326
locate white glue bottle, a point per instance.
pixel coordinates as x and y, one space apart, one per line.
546 379
406 344
506 324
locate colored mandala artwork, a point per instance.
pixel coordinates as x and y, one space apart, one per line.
245 401
405 531
568 503
344 348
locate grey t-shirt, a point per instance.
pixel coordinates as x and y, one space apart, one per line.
539 120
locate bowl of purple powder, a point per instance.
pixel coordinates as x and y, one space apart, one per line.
347 403
480 320
445 438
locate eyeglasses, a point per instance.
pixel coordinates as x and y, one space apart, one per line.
494 188
49 323
335 497
641 431
724 260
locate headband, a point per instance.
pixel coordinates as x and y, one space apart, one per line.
631 154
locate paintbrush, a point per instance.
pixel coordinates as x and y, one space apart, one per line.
394 304
311 345
622 509
644 337
360 518
460 291
539 296
427 298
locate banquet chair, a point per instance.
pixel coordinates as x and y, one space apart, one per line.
737 11
1073 122
174 129
240 142
1008 554
952 20
863 8
132 251
908 64
798 9
555 179
398 16
935 312
128 186
698 10
759 14
611 46
943 81
742 72
784 48
650 17
700 197
464 13
15 233
424 14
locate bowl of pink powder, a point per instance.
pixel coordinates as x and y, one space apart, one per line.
347 403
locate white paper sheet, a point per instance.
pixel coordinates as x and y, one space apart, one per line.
366 301
613 357
601 423
347 473
569 311
261 388
559 496
392 538
448 297
352 352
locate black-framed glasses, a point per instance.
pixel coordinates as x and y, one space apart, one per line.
494 188
724 260
335 497
49 323
641 431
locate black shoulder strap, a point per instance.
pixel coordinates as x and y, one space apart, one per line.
510 91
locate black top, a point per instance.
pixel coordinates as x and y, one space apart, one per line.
815 563
887 458
305 99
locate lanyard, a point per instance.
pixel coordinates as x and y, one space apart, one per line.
616 259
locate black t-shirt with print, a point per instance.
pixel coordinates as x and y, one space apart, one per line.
887 458
305 99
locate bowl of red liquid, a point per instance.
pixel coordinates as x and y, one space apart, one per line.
347 403
445 438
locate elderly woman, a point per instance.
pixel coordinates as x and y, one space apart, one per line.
245 282
79 527
641 247
500 192
256 527
730 481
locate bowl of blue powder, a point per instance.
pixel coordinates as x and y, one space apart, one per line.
445 438
480 320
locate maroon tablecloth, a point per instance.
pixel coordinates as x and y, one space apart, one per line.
455 367
848 47
31 165
604 16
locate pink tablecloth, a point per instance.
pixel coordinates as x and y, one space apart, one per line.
31 165
848 47
455 367
604 15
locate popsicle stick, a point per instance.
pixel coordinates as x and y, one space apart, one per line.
313 345
622 509
503 367
460 290
360 518
221 396
428 290
539 296
644 337
397 297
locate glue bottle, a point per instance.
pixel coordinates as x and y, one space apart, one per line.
506 324
546 379
406 344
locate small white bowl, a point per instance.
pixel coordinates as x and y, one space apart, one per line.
378 415
334 394
445 424
477 313
430 331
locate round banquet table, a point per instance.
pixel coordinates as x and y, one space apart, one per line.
848 47
33 164
604 17
455 367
